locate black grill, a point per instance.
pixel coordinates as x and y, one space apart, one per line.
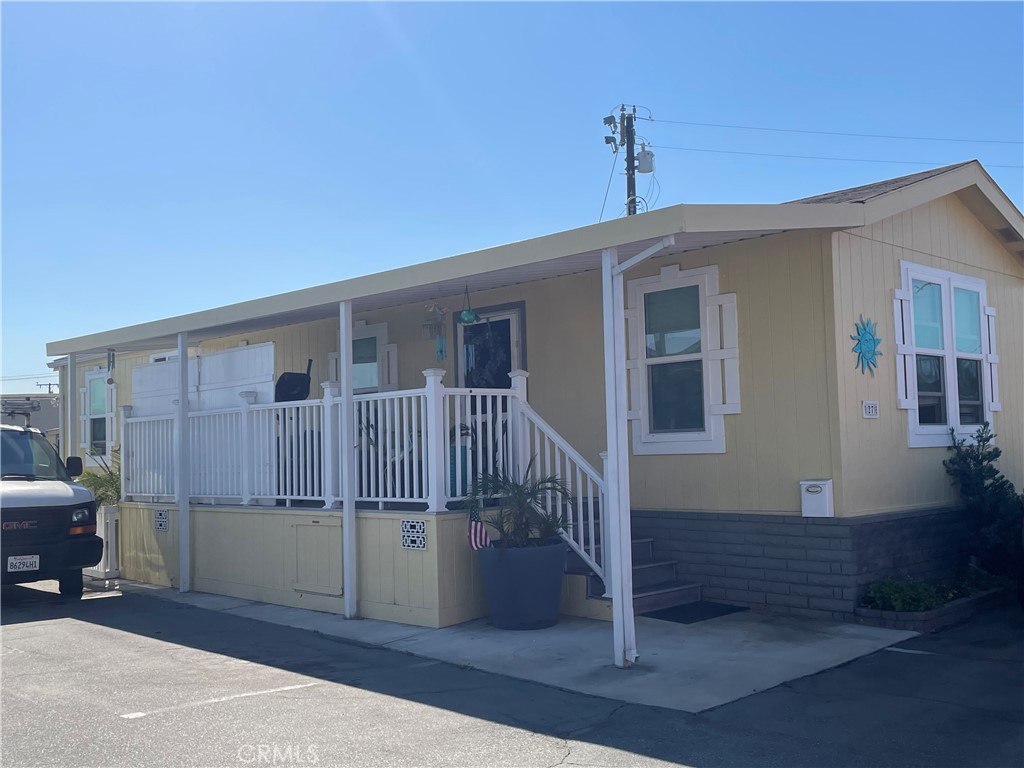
37 525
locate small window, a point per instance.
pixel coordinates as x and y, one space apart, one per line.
684 362
364 364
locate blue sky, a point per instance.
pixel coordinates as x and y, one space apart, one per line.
164 158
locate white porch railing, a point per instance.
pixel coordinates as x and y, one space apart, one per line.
147 456
547 453
421 446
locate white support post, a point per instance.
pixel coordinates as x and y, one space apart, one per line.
619 555
184 479
437 494
347 443
245 439
71 408
330 478
520 450
126 448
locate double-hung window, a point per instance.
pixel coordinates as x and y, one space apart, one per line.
97 404
946 360
683 362
374 361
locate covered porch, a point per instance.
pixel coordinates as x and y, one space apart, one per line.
407 453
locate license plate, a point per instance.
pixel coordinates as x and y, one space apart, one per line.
18 563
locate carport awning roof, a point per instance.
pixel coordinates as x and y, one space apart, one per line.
564 253
577 250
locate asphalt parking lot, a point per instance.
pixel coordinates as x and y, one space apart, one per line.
128 680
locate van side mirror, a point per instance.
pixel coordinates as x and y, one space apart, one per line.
74 465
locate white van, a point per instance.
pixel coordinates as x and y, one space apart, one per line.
48 521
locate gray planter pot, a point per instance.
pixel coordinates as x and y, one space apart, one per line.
524 585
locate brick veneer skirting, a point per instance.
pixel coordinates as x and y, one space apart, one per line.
804 566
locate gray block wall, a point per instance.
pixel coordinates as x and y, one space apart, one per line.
803 566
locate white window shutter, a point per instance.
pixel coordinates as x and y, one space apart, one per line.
906 381
634 338
83 417
111 415
723 353
991 360
388 368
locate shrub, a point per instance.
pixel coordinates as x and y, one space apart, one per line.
991 502
899 595
105 483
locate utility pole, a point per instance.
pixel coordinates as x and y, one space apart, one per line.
49 386
623 134
628 134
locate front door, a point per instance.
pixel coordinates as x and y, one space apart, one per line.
489 350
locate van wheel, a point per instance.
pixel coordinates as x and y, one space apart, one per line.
70 583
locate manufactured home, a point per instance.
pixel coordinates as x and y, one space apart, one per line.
751 404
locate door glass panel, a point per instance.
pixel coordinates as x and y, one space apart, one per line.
968 384
677 396
672 322
927 315
931 390
364 363
967 321
487 354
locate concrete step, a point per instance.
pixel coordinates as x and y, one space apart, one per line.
643 552
645 574
652 597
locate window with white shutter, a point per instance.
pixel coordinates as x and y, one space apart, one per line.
683 361
97 409
946 361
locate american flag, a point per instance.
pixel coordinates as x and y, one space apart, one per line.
477 533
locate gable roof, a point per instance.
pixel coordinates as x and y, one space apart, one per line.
867 192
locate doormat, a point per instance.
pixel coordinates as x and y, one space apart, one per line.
691 613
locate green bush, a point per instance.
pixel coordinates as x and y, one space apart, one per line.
897 595
105 482
919 595
991 502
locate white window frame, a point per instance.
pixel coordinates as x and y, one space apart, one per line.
719 362
937 435
387 357
85 417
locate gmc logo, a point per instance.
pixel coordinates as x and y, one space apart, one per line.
24 525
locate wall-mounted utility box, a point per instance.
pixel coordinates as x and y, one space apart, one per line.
816 498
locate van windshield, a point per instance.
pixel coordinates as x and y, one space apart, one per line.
29 456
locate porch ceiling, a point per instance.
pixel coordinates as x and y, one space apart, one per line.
564 253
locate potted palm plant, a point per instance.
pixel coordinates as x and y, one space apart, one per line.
524 565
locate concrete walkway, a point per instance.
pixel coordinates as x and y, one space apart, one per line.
688 667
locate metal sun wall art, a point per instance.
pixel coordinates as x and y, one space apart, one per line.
867 345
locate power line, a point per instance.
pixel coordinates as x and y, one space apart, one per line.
831 133
26 376
818 157
610 176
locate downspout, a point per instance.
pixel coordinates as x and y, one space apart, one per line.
70 444
619 564
184 475
347 449
617 497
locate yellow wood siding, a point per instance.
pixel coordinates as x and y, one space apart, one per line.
148 555
283 557
460 582
882 473
783 433
397 584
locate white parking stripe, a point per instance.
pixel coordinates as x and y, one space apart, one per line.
910 650
135 715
